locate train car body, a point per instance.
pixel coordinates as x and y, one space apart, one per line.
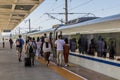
108 28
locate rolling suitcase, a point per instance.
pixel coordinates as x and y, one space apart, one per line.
27 62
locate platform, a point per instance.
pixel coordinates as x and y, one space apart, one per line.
12 69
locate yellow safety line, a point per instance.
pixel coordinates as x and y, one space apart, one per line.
66 74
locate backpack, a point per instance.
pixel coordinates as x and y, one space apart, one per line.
35 45
11 41
31 49
18 43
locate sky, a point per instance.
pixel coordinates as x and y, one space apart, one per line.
41 21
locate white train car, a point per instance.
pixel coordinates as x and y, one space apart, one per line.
107 25
40 33
100 25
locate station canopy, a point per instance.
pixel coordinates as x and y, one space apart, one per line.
12 12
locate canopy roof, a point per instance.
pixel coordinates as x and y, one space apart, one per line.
12 12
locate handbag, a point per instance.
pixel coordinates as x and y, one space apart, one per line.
51 57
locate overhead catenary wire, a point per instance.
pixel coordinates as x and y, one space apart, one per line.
55 18
44 20
59 6
85 3
71 9
50 9
102 9
107 8
43 13
53 7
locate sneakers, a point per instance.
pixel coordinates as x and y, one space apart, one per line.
59 65
66 65
48 63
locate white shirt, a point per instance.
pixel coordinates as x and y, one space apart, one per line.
59 44
47 49
38 45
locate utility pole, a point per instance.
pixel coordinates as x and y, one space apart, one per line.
29 25
66 11
40 28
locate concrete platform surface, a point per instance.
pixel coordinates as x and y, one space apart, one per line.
11 69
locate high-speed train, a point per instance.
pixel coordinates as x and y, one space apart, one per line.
106 27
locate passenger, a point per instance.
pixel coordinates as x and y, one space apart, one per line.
59 43
92 48
3 41
82 42
31 50
26 47
66 51
42 41
38 43
73 45
19 47
35 47
45 35
11 43
105 49
112 51
53 47
47 50
100 47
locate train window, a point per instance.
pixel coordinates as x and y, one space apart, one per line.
50 35
111 44
60 32
56 35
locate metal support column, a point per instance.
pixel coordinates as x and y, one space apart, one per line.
66 12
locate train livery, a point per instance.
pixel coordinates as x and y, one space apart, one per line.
107 27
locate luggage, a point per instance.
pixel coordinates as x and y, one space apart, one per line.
27 62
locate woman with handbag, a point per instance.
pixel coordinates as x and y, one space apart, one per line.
47 50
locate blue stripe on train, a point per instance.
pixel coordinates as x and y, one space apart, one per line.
97 60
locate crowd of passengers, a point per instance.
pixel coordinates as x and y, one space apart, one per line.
92 47
45 46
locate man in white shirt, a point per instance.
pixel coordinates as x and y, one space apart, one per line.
59 45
